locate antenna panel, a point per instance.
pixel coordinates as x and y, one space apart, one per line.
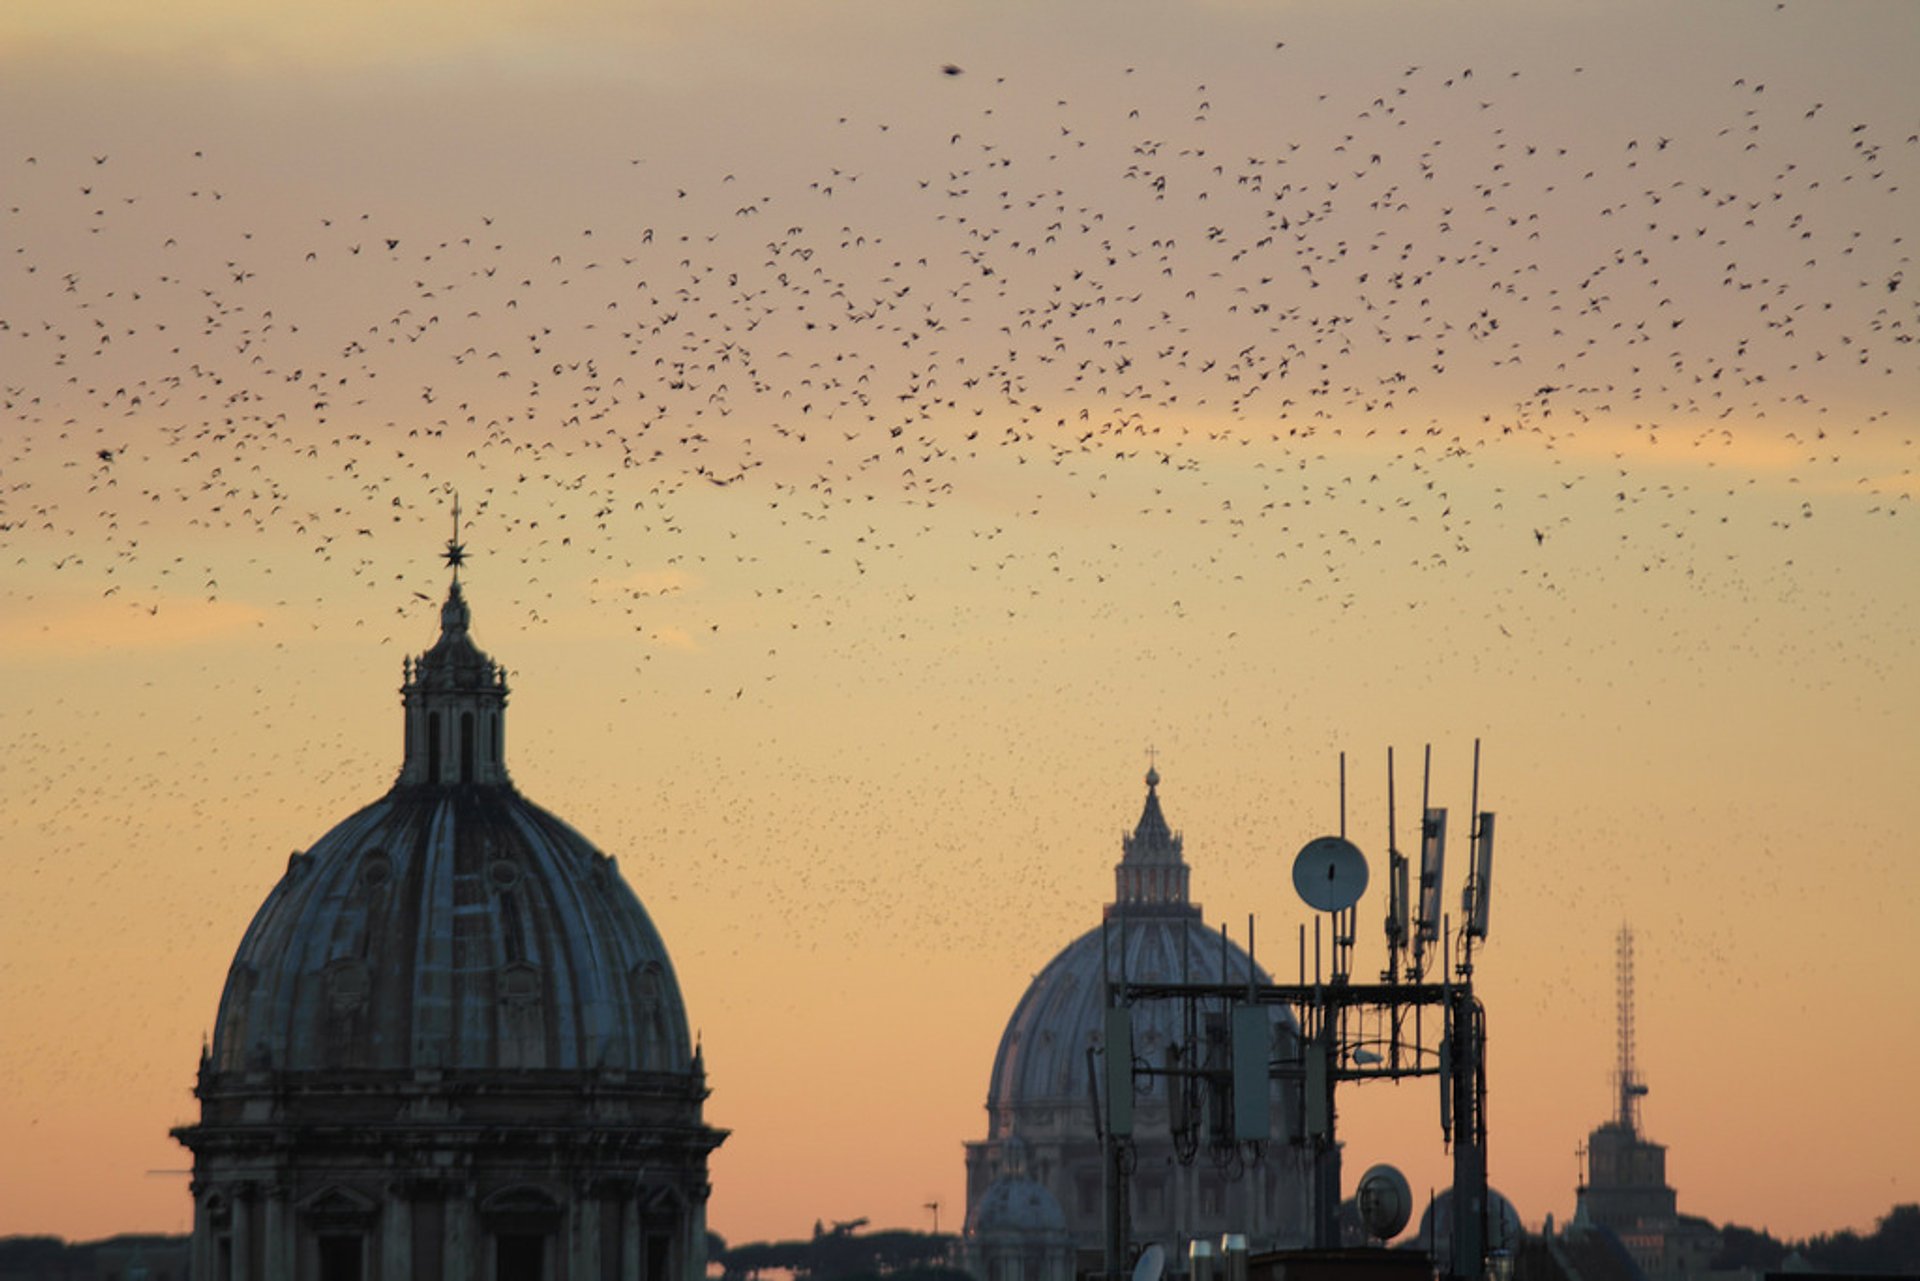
1433 864
1397 899
1179 1093
1482 878
1119 1053
1318 1090
1252 1095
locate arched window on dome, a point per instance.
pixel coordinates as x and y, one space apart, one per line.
466 747
433 747
499 753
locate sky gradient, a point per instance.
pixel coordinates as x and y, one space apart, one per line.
864 464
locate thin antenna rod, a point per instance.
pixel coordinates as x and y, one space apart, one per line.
1253 964
1476 787
1343 796
1390 826
1106 961
1395 907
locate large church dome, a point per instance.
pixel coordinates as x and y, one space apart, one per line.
452 924
1151 932
1188 1180
451 1043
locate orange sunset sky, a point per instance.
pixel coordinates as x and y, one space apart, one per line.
864 463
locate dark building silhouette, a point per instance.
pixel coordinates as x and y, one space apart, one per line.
1625 1188
451 1044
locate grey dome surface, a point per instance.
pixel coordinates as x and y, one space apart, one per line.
1042 1059
452 924
1015 1204
451 927
1504 1227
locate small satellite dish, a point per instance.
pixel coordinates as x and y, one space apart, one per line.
1385 1200
1330 874
1152 1262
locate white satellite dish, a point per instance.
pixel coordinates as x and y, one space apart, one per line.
1385 1200
1152 1262
1330 874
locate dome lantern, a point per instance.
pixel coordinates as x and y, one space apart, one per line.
1151 875
455 699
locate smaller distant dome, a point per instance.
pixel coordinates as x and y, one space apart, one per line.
1503 1223
1015 1204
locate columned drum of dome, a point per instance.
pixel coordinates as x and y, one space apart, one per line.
1040 1124
451 1044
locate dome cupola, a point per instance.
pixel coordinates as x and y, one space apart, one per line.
455 700
1151 875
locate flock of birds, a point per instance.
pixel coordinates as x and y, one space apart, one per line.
1404 274
1461 331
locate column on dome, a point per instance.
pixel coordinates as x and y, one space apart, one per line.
583 1235
689 1257
632 1260
457 1259
696 1238
396 1236
202 1256
243 1269
278 1252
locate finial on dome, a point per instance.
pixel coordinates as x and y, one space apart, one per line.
454 696
1153 774
456 553
455 617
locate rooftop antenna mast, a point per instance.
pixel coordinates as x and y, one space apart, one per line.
1397 911
1478 891
1631 1087
1344 920
1433 855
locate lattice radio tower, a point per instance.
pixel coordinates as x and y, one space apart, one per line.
1631 1087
